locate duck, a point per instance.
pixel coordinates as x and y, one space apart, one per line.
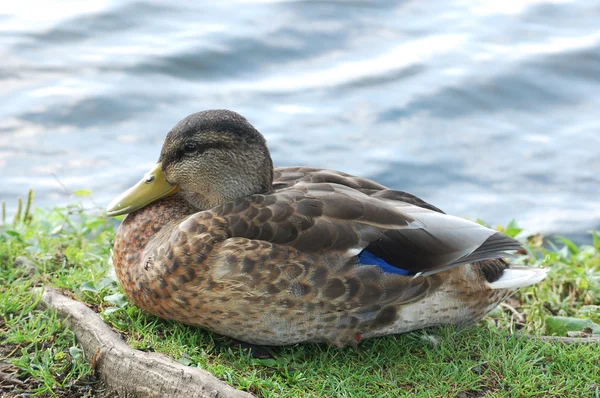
218 238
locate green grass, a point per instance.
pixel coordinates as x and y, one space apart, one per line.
69 248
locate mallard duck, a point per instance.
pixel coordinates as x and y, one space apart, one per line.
218 238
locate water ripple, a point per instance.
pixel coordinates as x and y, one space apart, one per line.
486 109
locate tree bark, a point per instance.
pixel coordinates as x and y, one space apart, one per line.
129 372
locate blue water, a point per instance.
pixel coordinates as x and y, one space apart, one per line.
485 108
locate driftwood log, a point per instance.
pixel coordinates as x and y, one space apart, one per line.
129 372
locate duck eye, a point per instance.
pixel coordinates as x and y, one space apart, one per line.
149 179
190 147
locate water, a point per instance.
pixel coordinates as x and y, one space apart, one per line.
484 108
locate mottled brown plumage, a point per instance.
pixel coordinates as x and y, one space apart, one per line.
272 256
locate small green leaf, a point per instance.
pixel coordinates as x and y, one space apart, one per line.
45 226
32 250
89 287
110 310
512 229
75 352
563 252
97 286
104 283
560 325
184 361
82 192
118 299
56 229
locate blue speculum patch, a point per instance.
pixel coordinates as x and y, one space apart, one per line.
367 258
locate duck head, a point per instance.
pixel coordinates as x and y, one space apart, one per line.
211 157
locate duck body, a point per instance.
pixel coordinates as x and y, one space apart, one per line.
318 256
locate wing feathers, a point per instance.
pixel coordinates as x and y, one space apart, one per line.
322 211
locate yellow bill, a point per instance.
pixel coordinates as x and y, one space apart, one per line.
152 187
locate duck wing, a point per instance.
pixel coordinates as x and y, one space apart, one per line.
338 219
441 239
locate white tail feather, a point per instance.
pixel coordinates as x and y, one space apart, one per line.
516 277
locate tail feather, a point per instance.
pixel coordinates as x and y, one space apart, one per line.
518 276
492 248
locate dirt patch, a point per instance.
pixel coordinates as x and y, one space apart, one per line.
473 394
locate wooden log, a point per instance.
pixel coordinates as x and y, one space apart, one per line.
129 372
